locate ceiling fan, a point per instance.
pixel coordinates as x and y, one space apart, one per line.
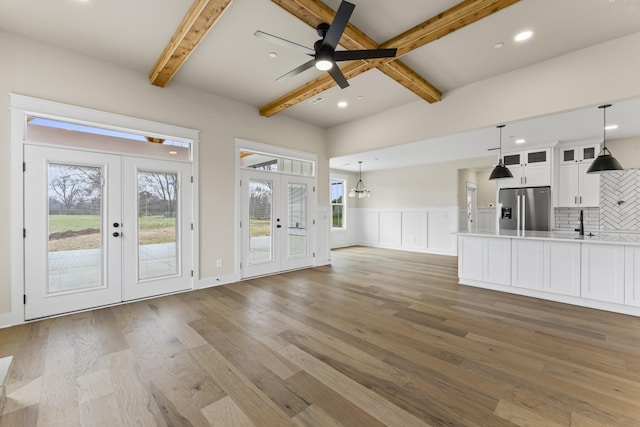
324 51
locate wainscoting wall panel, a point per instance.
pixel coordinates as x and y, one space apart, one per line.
390 229
369 227
429 230
414 230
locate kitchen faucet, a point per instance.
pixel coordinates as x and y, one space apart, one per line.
581 228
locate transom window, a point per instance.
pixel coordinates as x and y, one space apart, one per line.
271 163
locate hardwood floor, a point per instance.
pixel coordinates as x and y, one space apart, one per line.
379 338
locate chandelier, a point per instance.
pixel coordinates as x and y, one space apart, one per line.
360 189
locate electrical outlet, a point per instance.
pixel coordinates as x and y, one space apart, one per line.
219 263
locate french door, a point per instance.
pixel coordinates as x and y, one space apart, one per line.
276 222
103 228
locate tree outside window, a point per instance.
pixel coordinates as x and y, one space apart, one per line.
338 203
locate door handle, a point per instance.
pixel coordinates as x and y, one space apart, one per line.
116 224
278 226
116 234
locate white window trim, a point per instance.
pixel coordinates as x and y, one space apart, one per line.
248 145
345 180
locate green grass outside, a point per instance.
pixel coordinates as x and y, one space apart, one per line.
60 223
153 229
259 227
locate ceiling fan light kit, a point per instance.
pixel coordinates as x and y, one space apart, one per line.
324 51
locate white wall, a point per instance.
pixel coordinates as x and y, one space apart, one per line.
39 70
588 77
414 208
627 151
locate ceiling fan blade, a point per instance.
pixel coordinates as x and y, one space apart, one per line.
284 42
297 70
338 76
338 25
350 55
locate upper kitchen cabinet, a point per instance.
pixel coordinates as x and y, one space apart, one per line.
531 168
576 188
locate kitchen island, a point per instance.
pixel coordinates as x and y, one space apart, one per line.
600 271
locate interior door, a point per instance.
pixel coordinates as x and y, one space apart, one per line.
276 222
72 259
103 228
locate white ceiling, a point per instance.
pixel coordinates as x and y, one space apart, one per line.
231 62
563 128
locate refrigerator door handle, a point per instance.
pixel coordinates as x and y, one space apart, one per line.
518 214
524 213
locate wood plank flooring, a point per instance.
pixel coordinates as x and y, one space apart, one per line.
378 338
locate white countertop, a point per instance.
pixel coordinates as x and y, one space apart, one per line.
565 235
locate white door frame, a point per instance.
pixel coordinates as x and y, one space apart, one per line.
472 211
22 106
243 144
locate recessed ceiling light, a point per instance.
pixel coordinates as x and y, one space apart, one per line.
343 104
611 127
520 141
173 152
498 45
273 55
525 35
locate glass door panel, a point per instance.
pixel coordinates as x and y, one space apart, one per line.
260 221
296 206
75 217
156 227
72 260
276 209
297 220
157 224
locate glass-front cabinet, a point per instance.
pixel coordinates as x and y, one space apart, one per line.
530 168
577 188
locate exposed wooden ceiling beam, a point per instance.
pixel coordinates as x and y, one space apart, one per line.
313 12
452 19
195 25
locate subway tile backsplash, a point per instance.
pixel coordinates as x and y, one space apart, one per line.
569 218
619 206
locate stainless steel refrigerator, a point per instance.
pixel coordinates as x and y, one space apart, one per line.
525 209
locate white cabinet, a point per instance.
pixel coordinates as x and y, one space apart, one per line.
531 168
562 267
546 266
527 264
603 272
577 188
485 259
594 274
632 275
497 261
470 257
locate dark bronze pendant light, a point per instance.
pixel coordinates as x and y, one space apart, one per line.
605 162
500 171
